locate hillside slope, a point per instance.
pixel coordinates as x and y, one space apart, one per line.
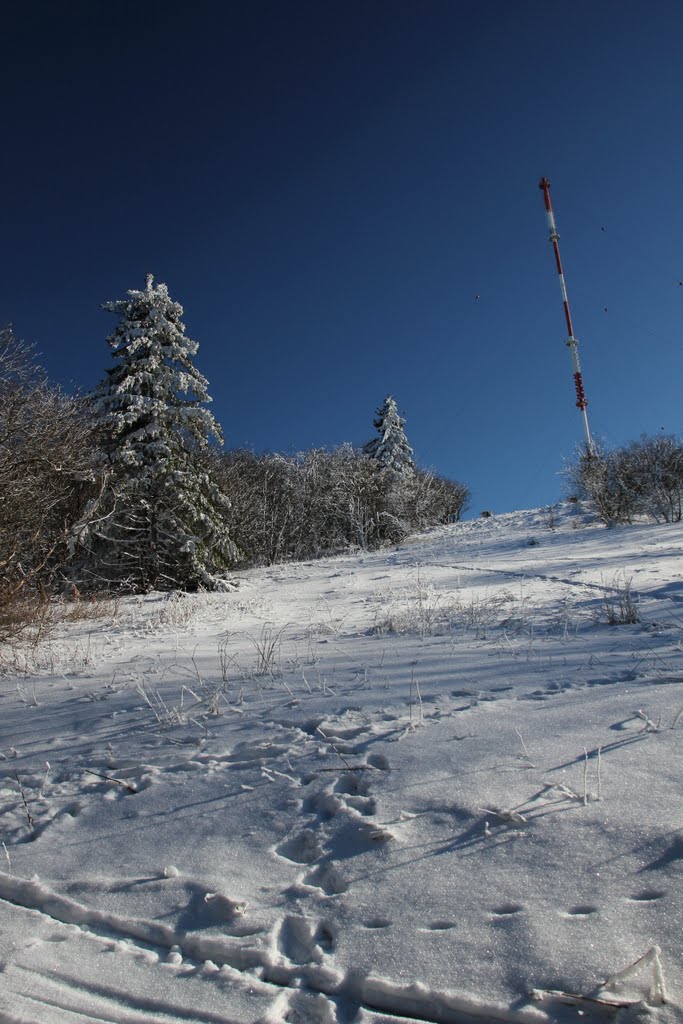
432 782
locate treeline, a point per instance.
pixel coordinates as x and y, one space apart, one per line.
642 478
124 490
321 502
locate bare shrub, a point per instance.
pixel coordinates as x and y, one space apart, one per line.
619 606
421 607
644 477
550 520
323 502
86 608
267 647
25 615
598 477
46 476
653 472
431 499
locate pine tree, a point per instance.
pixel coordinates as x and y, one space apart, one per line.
166 527
391 448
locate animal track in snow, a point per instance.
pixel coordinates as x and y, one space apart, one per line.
295 941
147 936
507 909
328 878
352 785
309 1008
582 910
365 805
248 752
648 896
301 944
325 805
344 828
377 922
72 810
326 936
303 848
224 909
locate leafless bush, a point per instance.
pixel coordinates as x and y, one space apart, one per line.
25 615
653 471
86 608
320 502
178 611
267 647
618 603
432 499
420 607
644 477
46 473
550 517
597 476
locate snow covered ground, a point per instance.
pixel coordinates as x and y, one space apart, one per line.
430 783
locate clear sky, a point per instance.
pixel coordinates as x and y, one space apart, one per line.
327 185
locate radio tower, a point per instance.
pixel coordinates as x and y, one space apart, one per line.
572 343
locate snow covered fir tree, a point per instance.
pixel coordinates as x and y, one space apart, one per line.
162 522
391 448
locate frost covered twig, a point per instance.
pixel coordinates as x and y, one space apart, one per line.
414 683
512 816
649 726
575 998
526 755
267 647
47 772
335 748
109 778
562 790
29 818
657 993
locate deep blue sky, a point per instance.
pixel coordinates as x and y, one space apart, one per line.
325 186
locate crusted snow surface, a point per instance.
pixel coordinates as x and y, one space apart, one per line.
439 782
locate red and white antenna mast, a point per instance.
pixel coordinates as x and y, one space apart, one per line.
572 343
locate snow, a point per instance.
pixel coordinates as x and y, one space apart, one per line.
428 783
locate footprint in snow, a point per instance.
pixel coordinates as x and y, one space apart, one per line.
309 1008
648 896
303 848
328 878
299 943
221 908
352 785
507 909
365 805
583 910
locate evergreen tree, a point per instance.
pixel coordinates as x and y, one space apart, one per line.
391 448
166 524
